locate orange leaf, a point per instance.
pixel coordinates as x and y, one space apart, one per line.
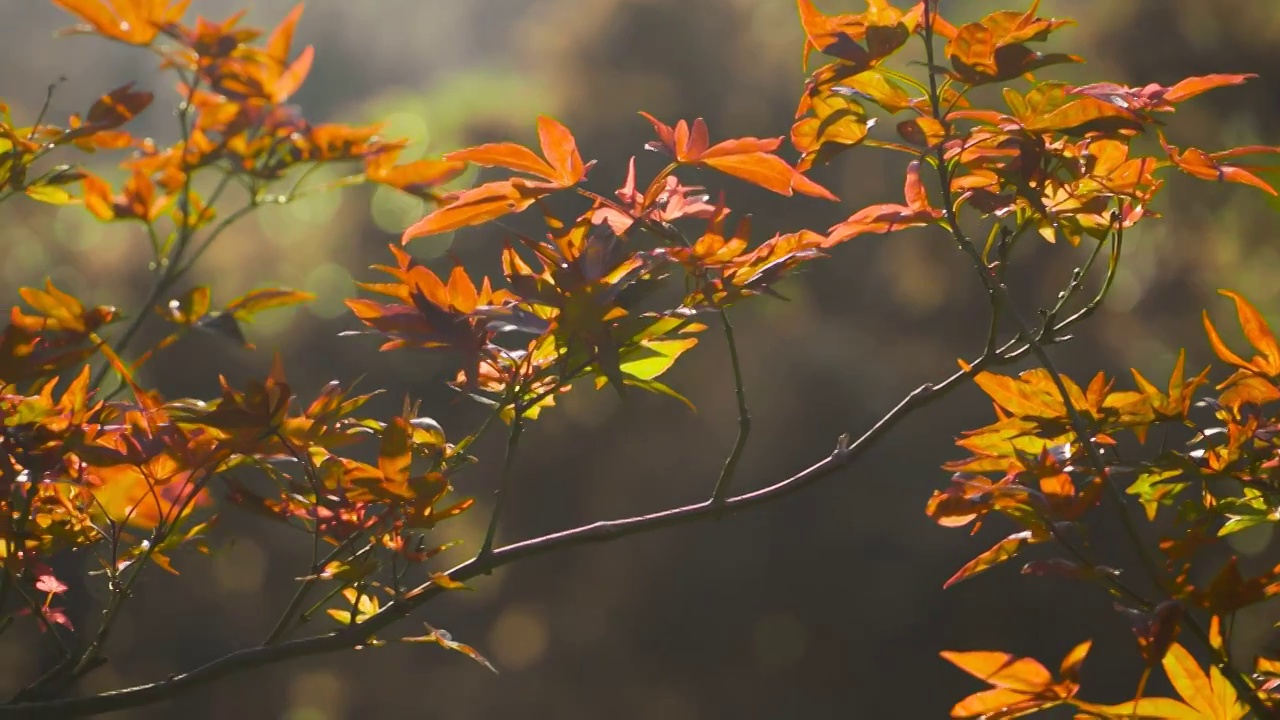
563 165
999 703
883 27
747 158
1002 669
507 155
1004 550
293 76
416 178
924 132
1259 335
1193 86
1070 668
480 205
1206 166
136 22
282 36
561 151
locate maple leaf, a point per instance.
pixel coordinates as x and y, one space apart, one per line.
41 345
418 178
1020 686
1210 166
1002 551
751 159
109 112
361 606
994 48
1205 696
445 640
889 217
138 199
431 313
725 271
672 202
1051 107
136 22
1253 381
1153 97
562 168
883 28
838 123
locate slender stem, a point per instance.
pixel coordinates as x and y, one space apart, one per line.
744 415
209 239
166 269
300 595
38 610
6 584
504 483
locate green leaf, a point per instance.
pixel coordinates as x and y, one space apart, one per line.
51 194
1153 488
654 386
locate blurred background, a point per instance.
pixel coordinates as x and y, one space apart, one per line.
825 604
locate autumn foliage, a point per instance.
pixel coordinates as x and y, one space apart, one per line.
94 461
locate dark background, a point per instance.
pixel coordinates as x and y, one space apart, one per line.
824 604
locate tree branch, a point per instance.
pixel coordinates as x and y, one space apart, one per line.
604 531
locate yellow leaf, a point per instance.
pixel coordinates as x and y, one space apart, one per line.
1190 681
1002 669
1147 708
51 194
1226 702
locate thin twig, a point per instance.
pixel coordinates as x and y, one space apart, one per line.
286 618
744 415
504 483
